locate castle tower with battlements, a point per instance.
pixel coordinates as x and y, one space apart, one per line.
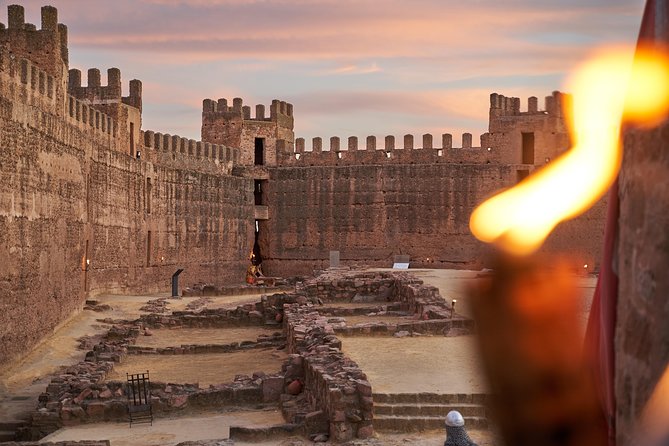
126 111
533 137
46 47
259 138
41 54
261 141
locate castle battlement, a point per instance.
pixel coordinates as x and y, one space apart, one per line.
501 105
81 113
389 143
97 94
369 152
164 142
238 110
30 85
46 46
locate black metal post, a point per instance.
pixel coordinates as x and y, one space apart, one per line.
175 282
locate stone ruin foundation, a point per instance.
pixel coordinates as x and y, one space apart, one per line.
320 391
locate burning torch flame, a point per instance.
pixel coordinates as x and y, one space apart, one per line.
519 219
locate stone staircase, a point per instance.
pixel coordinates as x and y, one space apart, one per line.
9 428
16 414
412 412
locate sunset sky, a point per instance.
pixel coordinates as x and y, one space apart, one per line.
351 68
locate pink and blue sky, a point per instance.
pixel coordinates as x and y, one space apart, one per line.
350 67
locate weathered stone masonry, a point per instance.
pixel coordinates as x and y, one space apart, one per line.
372 203
90 202
81 211
334 396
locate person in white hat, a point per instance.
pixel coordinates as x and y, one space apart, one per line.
456 435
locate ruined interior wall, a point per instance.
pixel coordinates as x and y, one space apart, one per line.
371 213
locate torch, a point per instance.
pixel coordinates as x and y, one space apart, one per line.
526 312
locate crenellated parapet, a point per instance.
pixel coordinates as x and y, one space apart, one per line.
164 143
530 136
259 137
371 151
81 114
501 105
45 47
278 111
26 84
97 94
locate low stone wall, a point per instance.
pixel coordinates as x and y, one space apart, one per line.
336 389
442 327
267 311
409 292
348 286
320 391
81 394
333 383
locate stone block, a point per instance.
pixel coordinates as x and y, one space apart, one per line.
365 432
248 395
316 422
96 410
272 388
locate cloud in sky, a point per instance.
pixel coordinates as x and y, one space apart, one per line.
356 66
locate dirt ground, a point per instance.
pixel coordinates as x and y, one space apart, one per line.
168 431
22 382
354 304
199 336
435 364
205 369
228 302
353 320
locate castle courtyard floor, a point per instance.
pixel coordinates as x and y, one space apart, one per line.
393 365
22 382
204 369
431 364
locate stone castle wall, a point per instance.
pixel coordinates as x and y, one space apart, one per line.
372 212
93 203
372 200
79 215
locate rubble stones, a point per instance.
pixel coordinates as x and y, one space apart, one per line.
318 387
155 306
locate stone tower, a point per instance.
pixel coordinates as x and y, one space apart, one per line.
529 138
126 111
259 138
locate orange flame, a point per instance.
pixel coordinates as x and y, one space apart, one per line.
519 219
